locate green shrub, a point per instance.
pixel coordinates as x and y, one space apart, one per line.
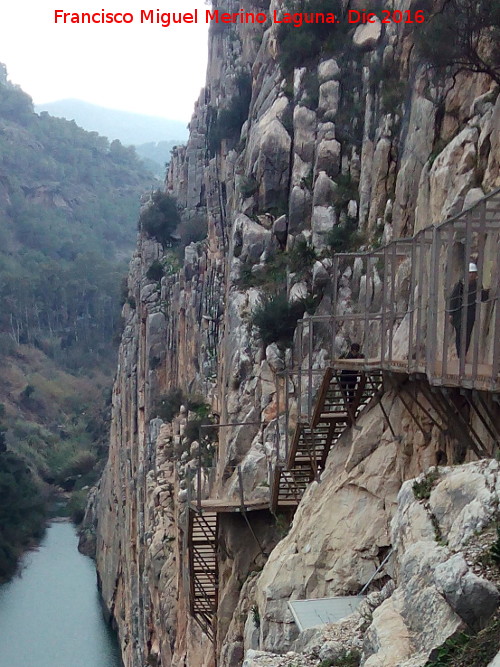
197 405
192 430
346 190
438 147
3 443
310 98
385 79
392 96
27 393
462 35
302 256
161 218
469 650
169 405
155 271
22 511
287 118
172 263
448 651
495 549
343 238
7 345
277 203
227 123
77 505
80 463
338 239
248 186
199 429
276 319
283 525
350 659
202 429
270 276
298 45
310 303
422 490
255 616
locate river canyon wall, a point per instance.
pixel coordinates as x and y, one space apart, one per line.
365 136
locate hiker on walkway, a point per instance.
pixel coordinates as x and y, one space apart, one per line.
349 378
460 300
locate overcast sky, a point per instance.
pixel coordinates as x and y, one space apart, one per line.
143 68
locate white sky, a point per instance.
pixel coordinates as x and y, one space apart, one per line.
143 68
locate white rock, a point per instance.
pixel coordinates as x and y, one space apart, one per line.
367 35
327 70
329 99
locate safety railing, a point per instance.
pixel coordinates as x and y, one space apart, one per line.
424 305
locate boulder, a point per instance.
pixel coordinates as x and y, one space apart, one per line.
329 99
328 157
367 35
328 70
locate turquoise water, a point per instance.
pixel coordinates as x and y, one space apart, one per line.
50 614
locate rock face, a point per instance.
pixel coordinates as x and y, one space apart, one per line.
437 593
329 146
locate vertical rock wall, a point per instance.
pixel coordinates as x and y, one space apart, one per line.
333 142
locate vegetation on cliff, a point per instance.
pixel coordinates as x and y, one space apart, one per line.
22 510
297 47
160 219
462 35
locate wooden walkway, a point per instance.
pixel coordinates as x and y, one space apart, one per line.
341 398
404 334
217 505
202 545
203 569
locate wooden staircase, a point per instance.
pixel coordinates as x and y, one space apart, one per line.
336 409
203 569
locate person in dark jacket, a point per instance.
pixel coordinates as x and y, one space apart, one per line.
465 299
349 378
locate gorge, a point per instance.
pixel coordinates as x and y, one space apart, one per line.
346 184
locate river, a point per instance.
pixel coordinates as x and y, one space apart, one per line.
50 614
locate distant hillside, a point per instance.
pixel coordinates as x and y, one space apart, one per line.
69 204
155 154
129 128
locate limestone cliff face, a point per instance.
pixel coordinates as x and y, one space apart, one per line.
333 142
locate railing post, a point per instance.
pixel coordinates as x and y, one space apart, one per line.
447 288
432 310
412 353
189 481
277 431
287 414
383 306
393 299
481 245
465 304
335 293
495 371
310 328
424 275
366 337
299 372
240 485
199 478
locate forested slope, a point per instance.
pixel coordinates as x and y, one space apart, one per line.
69 202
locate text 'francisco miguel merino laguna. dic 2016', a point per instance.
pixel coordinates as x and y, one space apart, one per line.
166 19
